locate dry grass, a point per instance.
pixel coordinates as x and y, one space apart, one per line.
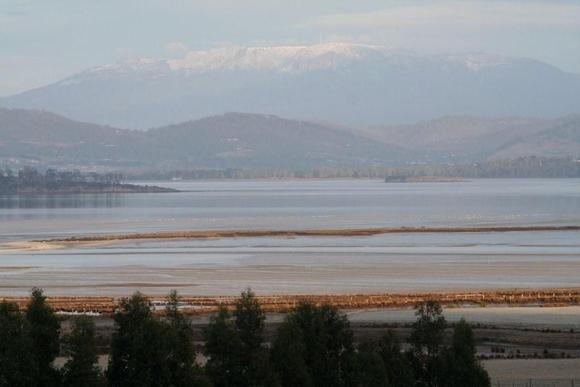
284 303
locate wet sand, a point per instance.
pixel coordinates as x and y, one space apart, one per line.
227 271
318 261
17 246
342 237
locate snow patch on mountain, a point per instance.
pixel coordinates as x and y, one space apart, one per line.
283 59
479 61
352 84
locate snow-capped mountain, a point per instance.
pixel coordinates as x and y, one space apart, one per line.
283 59
345 83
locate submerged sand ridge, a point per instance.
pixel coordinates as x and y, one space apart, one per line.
344 232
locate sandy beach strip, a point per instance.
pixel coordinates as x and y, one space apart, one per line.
19 246
344 232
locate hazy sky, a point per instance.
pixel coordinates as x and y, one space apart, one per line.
42 41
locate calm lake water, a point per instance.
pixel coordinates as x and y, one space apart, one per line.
281 265
295 204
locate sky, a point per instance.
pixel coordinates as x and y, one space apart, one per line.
42 41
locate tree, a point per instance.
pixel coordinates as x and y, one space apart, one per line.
17 365
223 349
323 339
44 329
461 366
397 364
234 346
255 362
140 348
427 343
183 367
428 329
289 356
81 370
371 367
249 320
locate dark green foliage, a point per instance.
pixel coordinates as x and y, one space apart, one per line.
81 370
427 344
428 330
17 365
249 320
319 339
289 356
397 364
255 360
147 351
44 329
223 348
372 371
140 347
184 370
234 345
461 366
381 363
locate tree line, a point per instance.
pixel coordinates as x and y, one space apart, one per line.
522 167
31 178
313 347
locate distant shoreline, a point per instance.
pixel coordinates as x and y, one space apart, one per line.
87 188
423 179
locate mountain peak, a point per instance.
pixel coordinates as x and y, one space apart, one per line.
286 59
280 58
274 58
351 84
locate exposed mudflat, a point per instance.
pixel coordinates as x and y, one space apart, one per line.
344 232
295 237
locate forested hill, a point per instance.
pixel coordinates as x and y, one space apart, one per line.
226 141
265 142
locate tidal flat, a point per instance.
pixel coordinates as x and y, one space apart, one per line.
543 253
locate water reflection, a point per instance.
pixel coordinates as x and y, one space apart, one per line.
62 201
295 205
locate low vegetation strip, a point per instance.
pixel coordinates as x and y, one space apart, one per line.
306 233
284 303
314 346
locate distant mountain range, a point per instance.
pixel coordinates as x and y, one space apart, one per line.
237 140
353 85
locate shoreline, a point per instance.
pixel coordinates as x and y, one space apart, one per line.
345 232
202 305
87 188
